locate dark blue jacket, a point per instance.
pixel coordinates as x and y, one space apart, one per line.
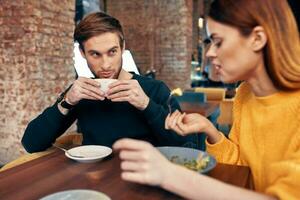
104 122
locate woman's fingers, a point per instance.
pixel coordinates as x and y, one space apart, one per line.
170 119
141 162
178 130
173 119
133 177
130 144
130 166
181 122
131 155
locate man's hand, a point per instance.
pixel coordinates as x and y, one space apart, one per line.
84 88
130 91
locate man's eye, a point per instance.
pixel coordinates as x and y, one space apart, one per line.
113 52
94 54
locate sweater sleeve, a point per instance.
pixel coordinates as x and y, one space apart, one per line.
44 129
283 176
156 113
227 149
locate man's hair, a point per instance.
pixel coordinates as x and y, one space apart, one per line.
281 54
96 24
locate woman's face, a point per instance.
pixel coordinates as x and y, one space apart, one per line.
230 53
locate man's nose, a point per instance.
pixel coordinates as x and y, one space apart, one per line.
106 65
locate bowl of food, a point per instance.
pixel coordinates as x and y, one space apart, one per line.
190 158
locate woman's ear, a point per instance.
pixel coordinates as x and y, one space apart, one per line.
259 38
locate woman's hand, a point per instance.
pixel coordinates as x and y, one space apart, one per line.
141 162
185 124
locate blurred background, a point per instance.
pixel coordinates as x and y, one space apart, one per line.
165 37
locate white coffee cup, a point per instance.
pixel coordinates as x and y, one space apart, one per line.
104 83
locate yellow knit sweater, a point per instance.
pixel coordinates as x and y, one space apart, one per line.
266 137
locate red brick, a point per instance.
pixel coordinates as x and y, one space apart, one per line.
33 69
165 27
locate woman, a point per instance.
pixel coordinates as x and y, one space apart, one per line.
255 42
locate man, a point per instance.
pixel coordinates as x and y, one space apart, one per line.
134 106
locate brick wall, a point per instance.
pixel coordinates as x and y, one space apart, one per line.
36 52
159 34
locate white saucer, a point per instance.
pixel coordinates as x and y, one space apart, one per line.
76 195
88 153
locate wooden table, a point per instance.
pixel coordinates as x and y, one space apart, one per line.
55 172
203 108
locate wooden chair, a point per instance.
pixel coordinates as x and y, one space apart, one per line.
25 158
190 96
70 139
212 94
67 140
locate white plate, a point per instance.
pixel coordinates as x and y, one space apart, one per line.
89 153
76 195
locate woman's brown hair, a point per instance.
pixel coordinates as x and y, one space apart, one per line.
282 51
95 24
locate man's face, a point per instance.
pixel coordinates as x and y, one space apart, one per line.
103 54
